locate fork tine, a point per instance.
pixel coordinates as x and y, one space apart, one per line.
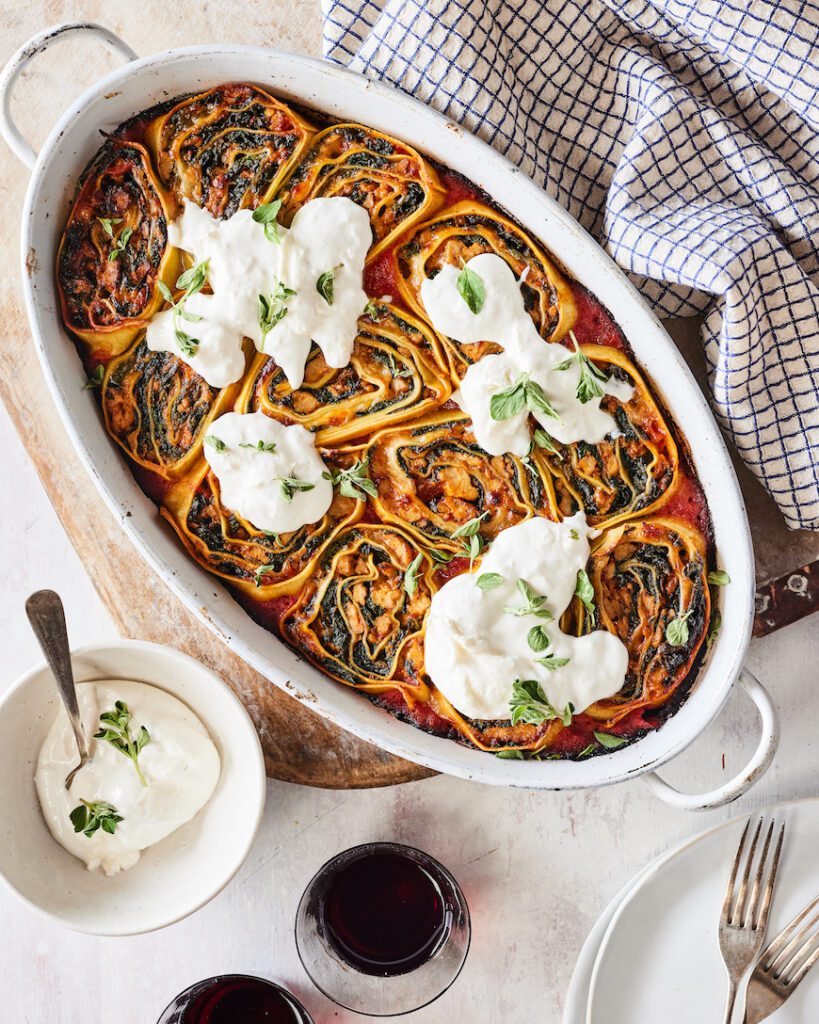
751 916
729 889
794 948
739 907
785 939
806 965
767 895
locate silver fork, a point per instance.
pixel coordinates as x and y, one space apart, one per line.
783 965
744 915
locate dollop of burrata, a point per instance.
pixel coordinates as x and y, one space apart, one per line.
180 766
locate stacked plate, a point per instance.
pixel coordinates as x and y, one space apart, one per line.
653 954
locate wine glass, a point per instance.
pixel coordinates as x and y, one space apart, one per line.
228 998
383 929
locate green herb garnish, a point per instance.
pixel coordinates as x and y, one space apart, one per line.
261 572
259 446
290 485
471 289
95 378
586 751
510 755
107 224
443 557
326 284
676 632
534 603
191 281
354 482
588 386
552 662
543 440
719 578
266 214
489 580
187 345
116 732
538 638
584 590
530 704
605 739
524 393
473 543
370 310
272 309
90 816
406 372
411 575
119 241
215 442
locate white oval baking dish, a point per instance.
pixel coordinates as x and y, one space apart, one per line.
342 94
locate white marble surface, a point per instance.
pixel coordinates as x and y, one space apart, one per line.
536 867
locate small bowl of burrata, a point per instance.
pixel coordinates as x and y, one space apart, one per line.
163 813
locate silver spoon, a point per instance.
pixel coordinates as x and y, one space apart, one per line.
45 613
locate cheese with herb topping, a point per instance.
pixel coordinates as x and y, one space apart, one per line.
268 473
283 288
501 317
500 623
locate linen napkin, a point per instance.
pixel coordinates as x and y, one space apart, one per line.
684 134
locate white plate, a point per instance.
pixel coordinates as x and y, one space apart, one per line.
577 995
659 961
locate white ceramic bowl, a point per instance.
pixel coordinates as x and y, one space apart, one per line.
171 879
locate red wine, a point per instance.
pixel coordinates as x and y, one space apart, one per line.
234 999
383 912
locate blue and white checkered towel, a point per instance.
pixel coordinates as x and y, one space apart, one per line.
684 134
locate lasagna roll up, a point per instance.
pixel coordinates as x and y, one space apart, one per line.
264 565
227 148
646 575
114 251
433 478
158 409
622 475
396 372
388 178
465 230
359 618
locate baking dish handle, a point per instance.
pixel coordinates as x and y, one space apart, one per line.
753 770
37 44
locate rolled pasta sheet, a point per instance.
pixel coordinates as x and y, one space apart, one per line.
393 183
228 148
634 470
263 565
360 617
397 372
646 575
114 251
465 230
433 478
158 409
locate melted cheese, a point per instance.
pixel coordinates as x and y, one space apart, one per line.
475 649
326 235
503 319
252 482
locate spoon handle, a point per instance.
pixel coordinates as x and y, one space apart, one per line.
45 613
